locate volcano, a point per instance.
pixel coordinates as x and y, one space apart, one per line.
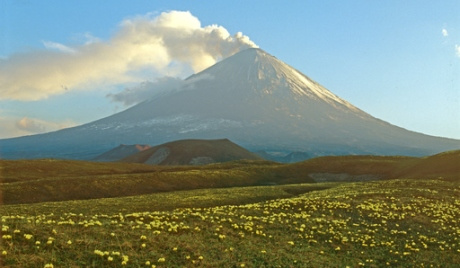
250 98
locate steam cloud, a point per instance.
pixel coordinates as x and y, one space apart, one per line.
148 89
31 125
143 46
12 127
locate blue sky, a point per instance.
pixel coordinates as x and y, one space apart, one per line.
397 60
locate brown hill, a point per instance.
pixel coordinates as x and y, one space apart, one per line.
445 165
32 181
367 167
121 152
354 167
20 171
192 152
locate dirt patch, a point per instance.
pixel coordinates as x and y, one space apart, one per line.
159 156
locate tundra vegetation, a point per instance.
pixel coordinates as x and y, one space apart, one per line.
239 214
402 222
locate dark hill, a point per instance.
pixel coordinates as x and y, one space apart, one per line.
121 152
192 152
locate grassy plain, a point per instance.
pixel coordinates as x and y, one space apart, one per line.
391 223
237 214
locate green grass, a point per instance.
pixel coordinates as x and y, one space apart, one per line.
392 223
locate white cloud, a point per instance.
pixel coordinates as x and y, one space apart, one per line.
445 33
15 127
58 47
143 46
89 38
457 50
30 125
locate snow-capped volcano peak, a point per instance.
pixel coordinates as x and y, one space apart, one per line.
251 98
265 74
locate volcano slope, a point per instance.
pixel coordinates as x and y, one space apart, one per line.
251 98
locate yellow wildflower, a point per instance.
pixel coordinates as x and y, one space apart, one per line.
28 236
